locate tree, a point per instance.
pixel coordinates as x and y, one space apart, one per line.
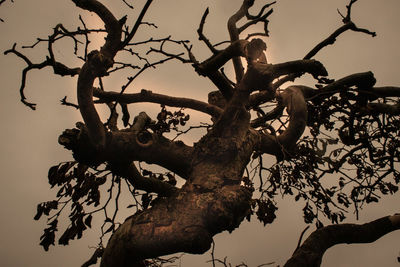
249 121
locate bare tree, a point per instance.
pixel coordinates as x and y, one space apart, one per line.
352 134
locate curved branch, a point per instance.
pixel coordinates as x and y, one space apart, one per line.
185 222
235 49
328 41
273 114
97 65
202 37
123 146
263 74
331 39
261 97
234 35
96 130
312 250
313 67
149 96
133 176
222 83
258 19
58 67
363 80
113 27
296 106
270 145
260 13
25 71
210 67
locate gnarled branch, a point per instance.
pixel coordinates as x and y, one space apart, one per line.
234 34
296 107
149 184
96 66
312 250
149 96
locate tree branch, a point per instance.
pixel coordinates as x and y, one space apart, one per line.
331 39
137 24
216 61
263 74
273 114
210 67
88 111
97 65
296 107
202 37
380 108
149 96
258 19
93 259
129 145
361 80
113 27
234 35
282 144
58 68
312 250
150 184
222 83
377 92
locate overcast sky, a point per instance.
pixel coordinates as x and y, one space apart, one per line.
29 138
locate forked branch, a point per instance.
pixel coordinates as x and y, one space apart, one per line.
331 39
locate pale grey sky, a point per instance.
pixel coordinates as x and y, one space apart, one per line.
29 138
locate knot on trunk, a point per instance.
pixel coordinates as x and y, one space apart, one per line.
77 140
144 139
99 63
230 206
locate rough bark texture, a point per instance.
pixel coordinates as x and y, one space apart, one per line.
211 201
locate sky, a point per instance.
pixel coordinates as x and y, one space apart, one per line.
29 138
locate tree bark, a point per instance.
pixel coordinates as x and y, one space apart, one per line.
211 201
314 247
